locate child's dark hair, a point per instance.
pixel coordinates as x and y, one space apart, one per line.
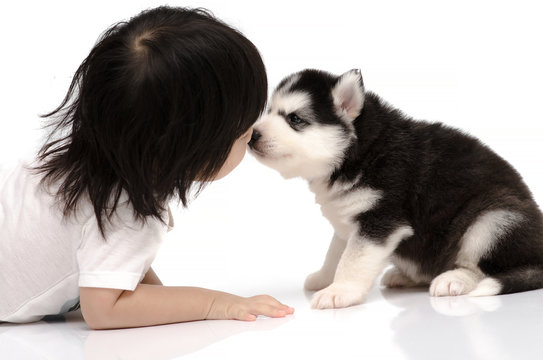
156 105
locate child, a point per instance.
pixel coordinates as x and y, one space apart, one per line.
163 100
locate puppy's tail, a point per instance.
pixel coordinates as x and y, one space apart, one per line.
512 281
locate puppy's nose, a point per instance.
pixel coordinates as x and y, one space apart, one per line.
254 138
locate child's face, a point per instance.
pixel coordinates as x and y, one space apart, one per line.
236 154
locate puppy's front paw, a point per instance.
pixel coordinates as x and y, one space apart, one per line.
337 296
318 280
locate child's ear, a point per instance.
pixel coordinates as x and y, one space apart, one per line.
348 95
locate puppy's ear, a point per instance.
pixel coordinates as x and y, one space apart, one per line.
348 95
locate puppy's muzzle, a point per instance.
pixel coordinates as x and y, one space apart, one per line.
254 138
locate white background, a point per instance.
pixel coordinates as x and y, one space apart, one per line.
474 65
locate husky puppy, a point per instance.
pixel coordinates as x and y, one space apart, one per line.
441 206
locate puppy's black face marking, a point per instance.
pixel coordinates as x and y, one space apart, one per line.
318 85
294 121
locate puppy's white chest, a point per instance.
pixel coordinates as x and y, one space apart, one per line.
341 204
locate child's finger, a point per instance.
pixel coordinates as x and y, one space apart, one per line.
249 317
270 300
289 310
269 310
268 306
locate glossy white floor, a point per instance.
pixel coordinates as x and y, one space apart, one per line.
475 66
393 324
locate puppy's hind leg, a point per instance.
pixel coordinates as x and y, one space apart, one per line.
394 278
478 242
361 263
455 282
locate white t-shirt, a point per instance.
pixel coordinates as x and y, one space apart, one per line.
45 258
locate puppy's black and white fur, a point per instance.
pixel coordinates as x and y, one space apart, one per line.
441 206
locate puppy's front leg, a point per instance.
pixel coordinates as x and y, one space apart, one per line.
361 263
325 276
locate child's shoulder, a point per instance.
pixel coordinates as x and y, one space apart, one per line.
14 170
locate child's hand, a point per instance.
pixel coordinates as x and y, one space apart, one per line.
228 306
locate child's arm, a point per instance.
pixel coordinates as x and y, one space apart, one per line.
155 305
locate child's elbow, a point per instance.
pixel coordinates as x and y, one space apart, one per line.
94 322
96 319
97 307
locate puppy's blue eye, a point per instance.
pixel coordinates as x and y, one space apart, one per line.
294 119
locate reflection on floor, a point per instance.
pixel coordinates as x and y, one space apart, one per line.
392 324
